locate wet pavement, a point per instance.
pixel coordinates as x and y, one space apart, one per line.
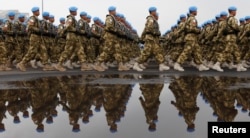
112 104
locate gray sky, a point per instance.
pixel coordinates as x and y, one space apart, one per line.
135 11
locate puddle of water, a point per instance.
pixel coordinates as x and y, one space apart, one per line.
118 106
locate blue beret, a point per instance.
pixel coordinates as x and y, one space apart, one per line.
182 16
62 19
214 21
45 13
11 13
21 16
217 16
247 17
118 14
223 13
34 9
83 13
51 16
192 9
232 8
95 19
242 19
112 8
151 9
88 16
122 16
73 8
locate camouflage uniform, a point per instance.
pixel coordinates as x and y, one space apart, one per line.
244 42
152 46
151 102
60 38
191 42
3 53
10 42
35 41
20 39
72 43
96 34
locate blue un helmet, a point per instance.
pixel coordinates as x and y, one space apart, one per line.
45 14
62 19
11 13
223 13
232 8
89 17
21 16
247 17
73 9
192 9
112 8
83 13
182 16
241 19
152 9
34 9
95 19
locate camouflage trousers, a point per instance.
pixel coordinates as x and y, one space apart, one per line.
73 47
111 50
244 49
230 53
90 51
3 54
151 48
125 50
175 51
191 48
54 50
14 51
36 46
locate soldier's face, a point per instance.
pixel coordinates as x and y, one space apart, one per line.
21 19
37 13
74 13
11 17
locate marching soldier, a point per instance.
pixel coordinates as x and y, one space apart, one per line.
152 45
34 30
72 42
191 43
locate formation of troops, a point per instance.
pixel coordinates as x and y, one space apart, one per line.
217 44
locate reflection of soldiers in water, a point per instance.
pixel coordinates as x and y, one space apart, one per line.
185 90
115 99
220 97
43 101
13 107
3 98
243 97
150 102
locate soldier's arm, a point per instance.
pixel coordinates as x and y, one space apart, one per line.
109 25
7 29
234 23
191 26
69 25
32 27
149 27
94 31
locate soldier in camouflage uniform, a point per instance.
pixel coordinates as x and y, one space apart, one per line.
34 30
10 33
244 41
111 43
90 50
53 49
152 46
179 43
191 43
231 50
20 38
96 34
61 36
3 51
72 43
